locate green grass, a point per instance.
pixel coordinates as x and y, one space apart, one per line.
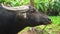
53 28
55 20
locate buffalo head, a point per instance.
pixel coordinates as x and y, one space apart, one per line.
31 16
34 17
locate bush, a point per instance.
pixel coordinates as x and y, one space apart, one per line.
44 6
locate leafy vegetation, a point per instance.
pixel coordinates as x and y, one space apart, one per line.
46 6
14 2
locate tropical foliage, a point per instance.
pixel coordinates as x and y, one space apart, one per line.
42 5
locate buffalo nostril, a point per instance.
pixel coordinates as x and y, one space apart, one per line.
49 19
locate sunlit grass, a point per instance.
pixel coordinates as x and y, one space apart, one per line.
55 19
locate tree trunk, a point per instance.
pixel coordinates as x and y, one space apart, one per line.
32 3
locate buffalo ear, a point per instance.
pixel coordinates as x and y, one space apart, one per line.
31 9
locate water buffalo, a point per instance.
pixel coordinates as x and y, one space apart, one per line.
13 19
